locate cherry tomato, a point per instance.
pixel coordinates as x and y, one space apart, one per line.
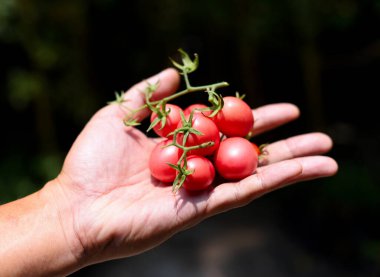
159 158
203 173
172 120
209 130
196 108
235 158
235 119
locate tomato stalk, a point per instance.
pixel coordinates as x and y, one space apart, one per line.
185 68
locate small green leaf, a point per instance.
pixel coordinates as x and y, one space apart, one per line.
163 122
183 118
119 98
154 123
131 122
177 65
176 167
195 131
152 87
237 94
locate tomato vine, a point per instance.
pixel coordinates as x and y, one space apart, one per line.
224 118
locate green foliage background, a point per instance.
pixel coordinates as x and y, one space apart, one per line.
61 60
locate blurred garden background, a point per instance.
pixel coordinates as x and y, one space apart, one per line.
62 60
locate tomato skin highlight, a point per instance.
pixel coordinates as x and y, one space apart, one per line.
172 120
159 158
235 119
210 132
235 158
203 173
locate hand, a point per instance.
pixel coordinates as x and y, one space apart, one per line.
110 205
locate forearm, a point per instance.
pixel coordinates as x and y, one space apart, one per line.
33 241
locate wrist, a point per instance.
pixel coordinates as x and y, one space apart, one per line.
37 237
58 210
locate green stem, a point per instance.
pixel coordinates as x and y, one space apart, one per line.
194 89
186 78
183 92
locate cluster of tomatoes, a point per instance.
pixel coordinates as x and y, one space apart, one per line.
226 151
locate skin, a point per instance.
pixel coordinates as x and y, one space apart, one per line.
104 204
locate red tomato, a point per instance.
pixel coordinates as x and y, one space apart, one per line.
196 108
235 158
159 158
203 173
235 119
209 130
172 120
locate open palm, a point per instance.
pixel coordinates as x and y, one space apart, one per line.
119 210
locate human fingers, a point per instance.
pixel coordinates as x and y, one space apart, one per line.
134 98
297 146
273 115
268 178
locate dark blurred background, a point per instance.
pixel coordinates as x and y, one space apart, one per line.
61 60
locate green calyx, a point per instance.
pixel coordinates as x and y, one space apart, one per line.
188 65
